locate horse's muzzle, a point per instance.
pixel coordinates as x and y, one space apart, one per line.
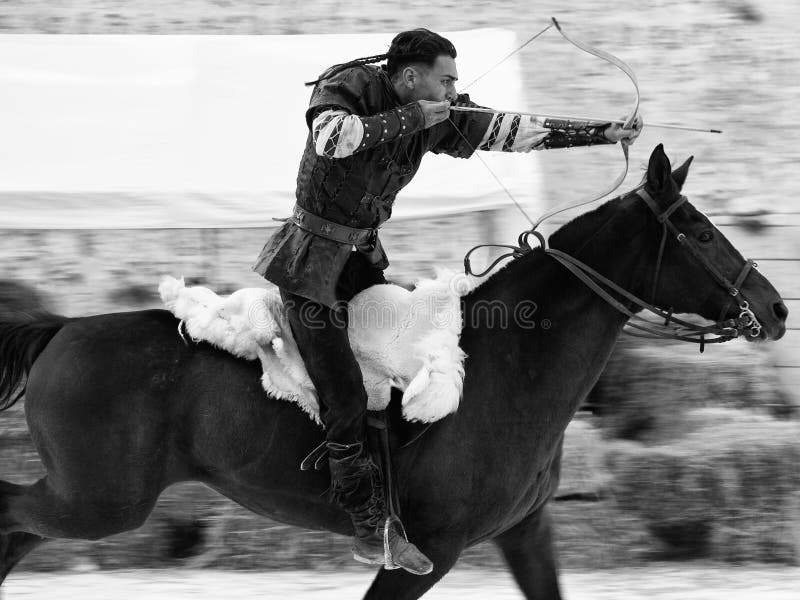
774 327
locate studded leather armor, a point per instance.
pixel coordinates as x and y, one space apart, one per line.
358 190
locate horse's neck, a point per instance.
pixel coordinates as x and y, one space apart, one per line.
546 362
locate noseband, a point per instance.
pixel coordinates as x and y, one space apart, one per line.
724 329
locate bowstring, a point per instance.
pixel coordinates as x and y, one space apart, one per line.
474 150
602 54
493 174
504 59
568 205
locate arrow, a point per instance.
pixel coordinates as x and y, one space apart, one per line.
573 118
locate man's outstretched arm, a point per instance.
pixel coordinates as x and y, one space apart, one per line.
509 132
485 129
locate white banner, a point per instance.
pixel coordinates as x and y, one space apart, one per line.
205 131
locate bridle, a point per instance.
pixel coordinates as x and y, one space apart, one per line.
722 330
746 317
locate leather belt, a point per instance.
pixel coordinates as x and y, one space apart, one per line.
333 231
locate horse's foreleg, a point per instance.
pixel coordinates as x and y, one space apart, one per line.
528 550
401 585
13 548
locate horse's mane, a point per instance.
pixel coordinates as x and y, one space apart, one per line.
565 237
576 232
569 237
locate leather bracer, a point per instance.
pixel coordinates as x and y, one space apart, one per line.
566 134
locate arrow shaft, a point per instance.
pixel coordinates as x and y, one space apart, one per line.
575 118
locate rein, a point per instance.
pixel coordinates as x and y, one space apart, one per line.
723 329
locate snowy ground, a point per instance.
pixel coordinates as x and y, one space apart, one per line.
670 582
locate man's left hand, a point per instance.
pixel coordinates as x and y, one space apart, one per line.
616 132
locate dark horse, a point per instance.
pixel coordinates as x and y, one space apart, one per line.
120 408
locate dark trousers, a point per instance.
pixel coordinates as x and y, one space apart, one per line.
321 336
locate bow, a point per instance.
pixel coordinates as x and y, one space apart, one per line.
622 66
610 58
628 122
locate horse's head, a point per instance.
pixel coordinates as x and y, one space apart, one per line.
695 269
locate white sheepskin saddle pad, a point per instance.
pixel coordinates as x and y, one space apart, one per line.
401 338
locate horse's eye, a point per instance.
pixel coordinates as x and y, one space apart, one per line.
706 236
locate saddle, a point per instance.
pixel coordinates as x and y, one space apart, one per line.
402 339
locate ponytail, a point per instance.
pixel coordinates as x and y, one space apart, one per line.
367 60
408 47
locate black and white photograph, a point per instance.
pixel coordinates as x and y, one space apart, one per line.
330 300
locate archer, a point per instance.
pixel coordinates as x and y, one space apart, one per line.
369 127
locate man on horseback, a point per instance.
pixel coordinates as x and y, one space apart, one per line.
369 128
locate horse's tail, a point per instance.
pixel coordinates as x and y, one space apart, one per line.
22 338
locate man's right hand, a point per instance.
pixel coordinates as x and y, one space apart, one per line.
434 112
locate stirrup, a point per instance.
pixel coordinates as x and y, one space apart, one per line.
416 564
388 562
384 543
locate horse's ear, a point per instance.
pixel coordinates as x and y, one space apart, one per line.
659 171
679 174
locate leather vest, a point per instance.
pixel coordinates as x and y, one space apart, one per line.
358 190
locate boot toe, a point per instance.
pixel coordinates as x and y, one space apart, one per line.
410 559
406 555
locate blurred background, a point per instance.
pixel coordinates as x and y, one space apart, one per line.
162 137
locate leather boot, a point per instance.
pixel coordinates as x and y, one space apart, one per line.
356 487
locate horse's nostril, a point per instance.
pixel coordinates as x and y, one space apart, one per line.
780 310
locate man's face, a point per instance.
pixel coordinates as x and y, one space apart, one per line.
436 83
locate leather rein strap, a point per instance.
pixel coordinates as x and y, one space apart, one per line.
723 329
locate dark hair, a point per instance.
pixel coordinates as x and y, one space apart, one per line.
414 46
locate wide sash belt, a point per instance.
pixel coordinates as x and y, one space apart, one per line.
333 231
